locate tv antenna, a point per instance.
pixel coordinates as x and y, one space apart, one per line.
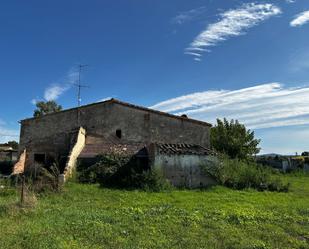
79 85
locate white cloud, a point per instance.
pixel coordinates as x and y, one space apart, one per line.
262 106
189 15
300 19
105 99
54 91
232 23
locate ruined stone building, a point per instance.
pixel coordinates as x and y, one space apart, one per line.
85 132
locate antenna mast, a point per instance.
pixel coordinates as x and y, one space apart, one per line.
79 85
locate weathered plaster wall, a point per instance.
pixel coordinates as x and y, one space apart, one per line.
184 170
19 167
74 153
52 133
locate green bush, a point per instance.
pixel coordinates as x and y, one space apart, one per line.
238 174
119 171
153 180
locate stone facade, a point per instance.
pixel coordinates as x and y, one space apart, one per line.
112 122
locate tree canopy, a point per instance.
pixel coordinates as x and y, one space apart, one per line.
45 108
234 140
13 144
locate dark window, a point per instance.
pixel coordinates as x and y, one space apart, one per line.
39 158
118 133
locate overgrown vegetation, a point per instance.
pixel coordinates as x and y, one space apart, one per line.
236 167
43 179
117 170
87 216
238 174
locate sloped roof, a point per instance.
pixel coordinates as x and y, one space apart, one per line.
182 149
183 118
4 147
93 150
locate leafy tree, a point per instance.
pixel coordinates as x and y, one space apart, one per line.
234 140
46 107
13 144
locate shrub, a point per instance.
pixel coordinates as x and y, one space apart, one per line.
120 171
153 180
104 171
42 179
238 174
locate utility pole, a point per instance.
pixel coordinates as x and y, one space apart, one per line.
79 85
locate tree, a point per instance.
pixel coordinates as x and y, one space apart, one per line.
46 107
13 144
234 140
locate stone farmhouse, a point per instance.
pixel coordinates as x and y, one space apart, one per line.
176 144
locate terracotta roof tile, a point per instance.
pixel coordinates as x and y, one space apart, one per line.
182 149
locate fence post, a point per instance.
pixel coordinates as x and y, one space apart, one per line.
22 190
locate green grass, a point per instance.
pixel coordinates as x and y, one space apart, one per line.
86 216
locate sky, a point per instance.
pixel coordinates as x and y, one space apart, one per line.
245 60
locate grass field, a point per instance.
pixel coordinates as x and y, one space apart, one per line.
86 216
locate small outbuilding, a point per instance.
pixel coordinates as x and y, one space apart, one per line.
7 153
182 164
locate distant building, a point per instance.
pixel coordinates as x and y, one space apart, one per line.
7 153
85 132
284 163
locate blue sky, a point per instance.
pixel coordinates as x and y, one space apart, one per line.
213 58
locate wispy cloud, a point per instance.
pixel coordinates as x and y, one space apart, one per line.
232 23
301 19
189 15
55 90
105 99
262 106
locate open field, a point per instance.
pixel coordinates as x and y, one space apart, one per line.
86 216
